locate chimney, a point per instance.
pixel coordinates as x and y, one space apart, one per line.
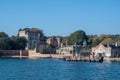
116 44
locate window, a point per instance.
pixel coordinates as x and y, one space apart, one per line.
100 49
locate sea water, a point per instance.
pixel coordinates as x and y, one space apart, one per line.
54 69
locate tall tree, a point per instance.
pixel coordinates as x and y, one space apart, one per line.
107 41
12 43
21 43
2 34
17 43
77 37
96 40
4 41
64 41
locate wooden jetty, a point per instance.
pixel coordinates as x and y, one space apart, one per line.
73 58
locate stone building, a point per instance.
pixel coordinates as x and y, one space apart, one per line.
33 36
83 52
106 50
76 50
55 41
65 50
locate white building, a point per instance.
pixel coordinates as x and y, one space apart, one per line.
65 50
101 50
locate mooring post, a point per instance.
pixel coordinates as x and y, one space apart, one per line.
20 53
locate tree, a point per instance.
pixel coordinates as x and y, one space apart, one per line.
107 41
103 38
95 41
77 37
21 43
4 41
13 43
90 39
64 41
117 39
2 34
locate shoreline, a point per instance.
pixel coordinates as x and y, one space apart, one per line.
34 57
112 59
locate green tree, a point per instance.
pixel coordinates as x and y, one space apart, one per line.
117 38
2 34
104 36
107 41
77 37
90 39
96 40
13 42
21 43
4 41
64 41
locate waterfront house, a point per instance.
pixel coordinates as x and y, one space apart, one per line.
84 52
106 50
80 52
65 50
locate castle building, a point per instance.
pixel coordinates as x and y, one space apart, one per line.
33 38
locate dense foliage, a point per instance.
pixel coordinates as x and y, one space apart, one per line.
104 39
12 43
77 37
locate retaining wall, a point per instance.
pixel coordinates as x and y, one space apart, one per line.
13 53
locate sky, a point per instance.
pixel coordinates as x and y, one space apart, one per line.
60 17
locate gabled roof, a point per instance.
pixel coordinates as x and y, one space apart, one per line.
99 46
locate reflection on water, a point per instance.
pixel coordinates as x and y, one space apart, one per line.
53 69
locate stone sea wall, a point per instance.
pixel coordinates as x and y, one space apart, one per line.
10 53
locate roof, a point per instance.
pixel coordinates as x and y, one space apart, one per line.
32 30
112 46
35 30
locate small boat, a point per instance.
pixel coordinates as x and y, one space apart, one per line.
61 58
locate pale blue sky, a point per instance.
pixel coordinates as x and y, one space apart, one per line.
61 17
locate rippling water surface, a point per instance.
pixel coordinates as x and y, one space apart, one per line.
53 69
